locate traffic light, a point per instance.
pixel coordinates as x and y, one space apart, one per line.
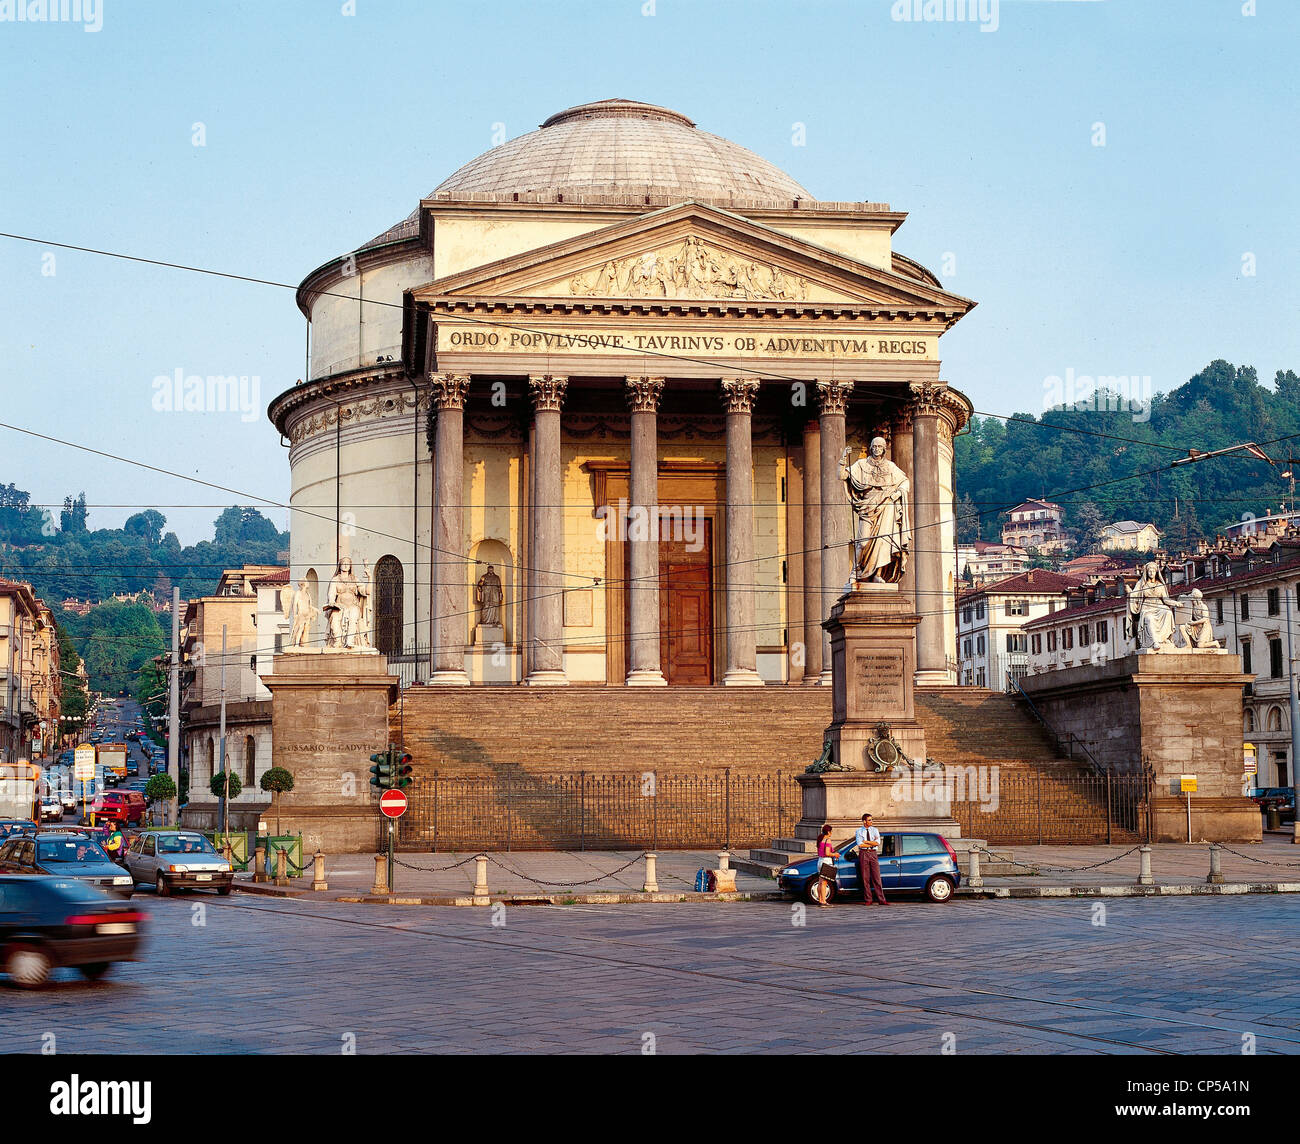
401 768
381 775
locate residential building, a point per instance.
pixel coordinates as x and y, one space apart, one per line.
1036 524
31 685
991 623
1130 536
986 561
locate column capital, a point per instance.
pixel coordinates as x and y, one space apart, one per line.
448 390
739 394
833 396
643 393
930 400
547 391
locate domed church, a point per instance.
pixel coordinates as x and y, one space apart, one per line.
579 418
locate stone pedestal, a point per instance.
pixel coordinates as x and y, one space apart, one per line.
329 714
488 635
843 797
1177 712
873 661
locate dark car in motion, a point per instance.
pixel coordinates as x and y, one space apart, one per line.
49 922
73 857
910 862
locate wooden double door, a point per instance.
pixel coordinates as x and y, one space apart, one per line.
686 608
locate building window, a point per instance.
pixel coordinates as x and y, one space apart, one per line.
965 615
979 610
1218 605
1250 721
250 761
1016 642
1275 658
980 679
1084 635
388 606
1051 641
979 646
279 642
1037 642
1015 607
1245 607
1245 658
965 649
1067 639
1273 602
1275 718
1103 631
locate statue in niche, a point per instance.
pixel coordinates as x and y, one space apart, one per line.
489 597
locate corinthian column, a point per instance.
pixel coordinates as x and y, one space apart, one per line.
900 445
644 668
546 577
927 537
448 395
812 552
738 395
837 525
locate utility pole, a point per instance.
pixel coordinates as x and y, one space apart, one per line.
225 799
174 710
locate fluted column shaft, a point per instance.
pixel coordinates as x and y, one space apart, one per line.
449 594
644 667
739 395
812 552
900 445
546 578
837 524
927 540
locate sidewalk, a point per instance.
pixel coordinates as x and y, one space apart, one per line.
603 877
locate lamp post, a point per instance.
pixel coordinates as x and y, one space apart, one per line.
1294 703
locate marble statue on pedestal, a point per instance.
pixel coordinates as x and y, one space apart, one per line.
1151 614
877 491
344 608
1198 632
302 611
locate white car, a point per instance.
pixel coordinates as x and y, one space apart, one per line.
51 809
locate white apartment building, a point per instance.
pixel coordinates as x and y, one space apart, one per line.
1036 524
991 619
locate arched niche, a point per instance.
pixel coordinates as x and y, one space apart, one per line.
497 554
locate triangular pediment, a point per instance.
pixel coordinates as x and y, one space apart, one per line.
694 253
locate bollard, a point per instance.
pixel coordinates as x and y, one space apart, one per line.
481 890
1144 869
1215 876
381 875
259 865
281 868
973 879
318 873
724 860
651 879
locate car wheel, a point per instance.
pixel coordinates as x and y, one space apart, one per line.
223 890
939 888
814 888
95 970
28 966
161 886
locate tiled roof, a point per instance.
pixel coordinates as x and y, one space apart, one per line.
1036 580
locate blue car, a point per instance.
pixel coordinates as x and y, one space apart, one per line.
910 862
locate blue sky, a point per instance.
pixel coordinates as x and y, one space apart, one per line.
323 128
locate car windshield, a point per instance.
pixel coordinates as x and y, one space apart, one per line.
70 850
184 844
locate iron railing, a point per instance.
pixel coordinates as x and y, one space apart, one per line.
1065 744
1034 807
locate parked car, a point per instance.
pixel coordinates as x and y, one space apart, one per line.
909 863
51 808
171 860
1283 798
126 806
68 855
47 922
12 826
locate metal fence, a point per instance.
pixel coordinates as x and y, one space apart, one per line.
1032 806
586 810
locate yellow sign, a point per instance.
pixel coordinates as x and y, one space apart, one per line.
83 763
789 342
1188 784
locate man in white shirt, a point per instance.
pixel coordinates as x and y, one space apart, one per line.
868 839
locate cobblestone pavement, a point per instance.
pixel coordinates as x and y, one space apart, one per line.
259 975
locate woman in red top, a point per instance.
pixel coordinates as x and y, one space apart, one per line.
825 867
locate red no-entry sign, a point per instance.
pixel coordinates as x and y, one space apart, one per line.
392 803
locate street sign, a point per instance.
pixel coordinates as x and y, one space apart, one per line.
83 763
1188 784
392 803
1252 768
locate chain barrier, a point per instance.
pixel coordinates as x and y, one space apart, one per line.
1059 869
1261 861
433 869
587 882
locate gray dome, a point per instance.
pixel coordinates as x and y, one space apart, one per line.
619 147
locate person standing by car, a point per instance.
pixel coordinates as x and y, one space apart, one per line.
114 844
868 839
825 867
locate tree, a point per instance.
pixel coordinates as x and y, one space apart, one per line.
968 520
159 788
1089 521
73 516
218 785
277 780
147 525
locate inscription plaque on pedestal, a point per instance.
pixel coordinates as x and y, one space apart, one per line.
878 677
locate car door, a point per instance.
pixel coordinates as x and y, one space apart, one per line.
145 866
7 852
25 858
17 908
889 864
918 854
846 870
